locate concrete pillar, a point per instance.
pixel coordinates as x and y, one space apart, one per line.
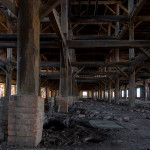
26 110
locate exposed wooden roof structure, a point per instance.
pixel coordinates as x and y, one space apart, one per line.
102 41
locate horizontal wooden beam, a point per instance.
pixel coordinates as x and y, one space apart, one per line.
97 73
90 80
94 37
97 19
85 2
43 45
49 64
50 75
142 18
14 36
100 64
108 44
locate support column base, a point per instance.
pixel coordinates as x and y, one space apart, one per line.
4 101
64 102
25 120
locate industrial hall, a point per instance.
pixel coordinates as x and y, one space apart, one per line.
75 74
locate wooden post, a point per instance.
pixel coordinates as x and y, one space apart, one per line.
64 81
145 89
101 94
125 92
132 90
131 56
109 86
117 79
28 47
9 68
117 58
109 93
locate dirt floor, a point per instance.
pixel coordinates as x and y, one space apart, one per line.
72 131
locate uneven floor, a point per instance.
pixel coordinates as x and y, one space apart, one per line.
73 131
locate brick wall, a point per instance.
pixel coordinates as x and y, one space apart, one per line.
64 102
25 120
4 118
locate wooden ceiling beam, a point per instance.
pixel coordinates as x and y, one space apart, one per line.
131 15
83 2
98 19
100 64
108 43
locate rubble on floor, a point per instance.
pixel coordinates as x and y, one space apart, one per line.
95 124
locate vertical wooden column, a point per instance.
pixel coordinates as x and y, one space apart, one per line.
63 87
104 94
131 56
109 92
28 47
145 89
26 109
109 86
117 79
8 74
9 68
117 58
125 92
132 89
101 93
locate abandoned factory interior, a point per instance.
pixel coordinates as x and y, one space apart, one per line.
75 74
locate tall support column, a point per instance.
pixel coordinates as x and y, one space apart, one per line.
145 89
9 68
117 58
131 56
109 93
26 109
64 81
125 92
101 93
28 45
117 79
132 90
109 86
